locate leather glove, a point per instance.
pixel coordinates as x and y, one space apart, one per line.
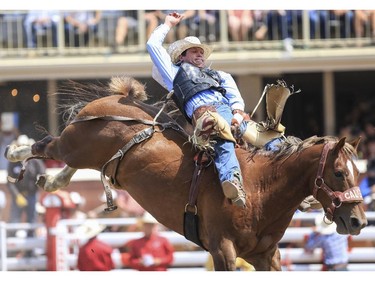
238 117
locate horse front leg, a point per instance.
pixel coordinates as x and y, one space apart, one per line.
267 261
276 261
224 256
52 183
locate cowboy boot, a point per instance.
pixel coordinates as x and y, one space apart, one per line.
234 191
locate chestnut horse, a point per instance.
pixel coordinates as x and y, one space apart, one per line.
141 149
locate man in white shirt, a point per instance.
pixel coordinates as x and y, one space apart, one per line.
200 91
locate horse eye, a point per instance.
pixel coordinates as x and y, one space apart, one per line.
339 174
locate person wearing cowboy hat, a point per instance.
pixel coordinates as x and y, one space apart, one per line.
94 254
25 193
151 252
206 97
335 247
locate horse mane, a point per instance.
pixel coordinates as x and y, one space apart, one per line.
293 145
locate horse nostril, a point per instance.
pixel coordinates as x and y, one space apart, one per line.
356 223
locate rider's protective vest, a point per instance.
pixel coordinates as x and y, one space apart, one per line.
191 80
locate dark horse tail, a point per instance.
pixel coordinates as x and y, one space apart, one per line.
73 96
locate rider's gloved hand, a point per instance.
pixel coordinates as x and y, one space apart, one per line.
238 117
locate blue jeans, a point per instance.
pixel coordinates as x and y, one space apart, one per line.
225 156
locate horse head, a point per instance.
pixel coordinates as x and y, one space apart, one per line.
336 188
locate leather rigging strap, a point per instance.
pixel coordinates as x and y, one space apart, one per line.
191 219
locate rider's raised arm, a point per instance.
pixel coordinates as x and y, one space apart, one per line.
159 56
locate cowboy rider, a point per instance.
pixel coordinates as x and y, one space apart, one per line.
202 93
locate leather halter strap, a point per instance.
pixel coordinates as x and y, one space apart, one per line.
350 195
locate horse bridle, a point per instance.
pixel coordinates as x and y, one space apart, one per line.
350 195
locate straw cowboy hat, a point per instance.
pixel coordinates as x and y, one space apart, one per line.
178 47
323 227
90 229
148 218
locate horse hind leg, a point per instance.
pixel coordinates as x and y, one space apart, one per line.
52 183
15 153
49 183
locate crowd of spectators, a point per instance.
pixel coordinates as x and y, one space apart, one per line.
118 28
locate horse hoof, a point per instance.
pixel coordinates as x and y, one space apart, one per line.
41 181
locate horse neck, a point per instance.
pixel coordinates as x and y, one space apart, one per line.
292 179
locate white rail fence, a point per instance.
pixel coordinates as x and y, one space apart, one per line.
191 257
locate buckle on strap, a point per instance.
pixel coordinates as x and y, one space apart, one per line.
143 135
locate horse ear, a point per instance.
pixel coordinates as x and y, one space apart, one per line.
339 145
355 143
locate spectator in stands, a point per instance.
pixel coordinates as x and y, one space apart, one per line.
9 21
343 18
80 27
206 25
278 27
286 25
107 27
152 21
260 24
364 19
126 22
94 254
240 23
25 192
182 29
152 252
41 23
335 247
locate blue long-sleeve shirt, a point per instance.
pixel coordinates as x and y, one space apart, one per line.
168 71
334 247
